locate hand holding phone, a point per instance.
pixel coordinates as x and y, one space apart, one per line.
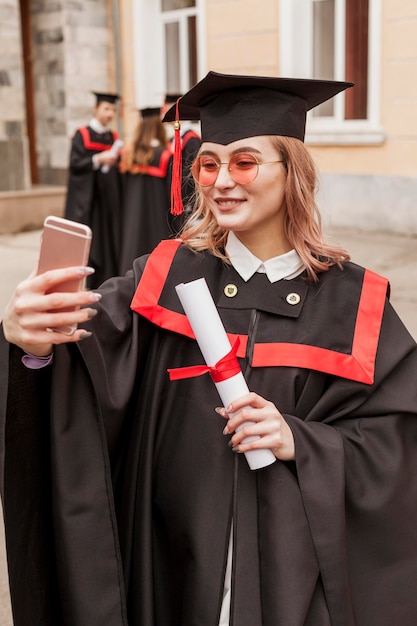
64 243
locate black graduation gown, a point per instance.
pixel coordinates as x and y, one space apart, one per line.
329 539
147 218
93 198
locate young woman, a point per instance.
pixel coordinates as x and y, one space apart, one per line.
131 492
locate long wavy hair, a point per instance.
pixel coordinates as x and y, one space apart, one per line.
150 132
303 223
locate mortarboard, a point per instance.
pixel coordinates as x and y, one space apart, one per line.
150 112
106 97
232 107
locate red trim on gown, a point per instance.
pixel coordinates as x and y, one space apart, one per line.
359 365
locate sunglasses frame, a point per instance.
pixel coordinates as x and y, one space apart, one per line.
220 163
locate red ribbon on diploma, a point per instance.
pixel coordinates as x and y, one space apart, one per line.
225 368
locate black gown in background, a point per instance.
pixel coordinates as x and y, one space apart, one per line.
146 207
93 198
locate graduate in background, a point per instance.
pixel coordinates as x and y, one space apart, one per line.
145 168
128 499
93 194
190 145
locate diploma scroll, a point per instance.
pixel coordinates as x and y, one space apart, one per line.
117 145
214 344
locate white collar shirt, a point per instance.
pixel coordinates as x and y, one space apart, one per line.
285 266
97 126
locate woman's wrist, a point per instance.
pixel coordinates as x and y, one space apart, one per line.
39 352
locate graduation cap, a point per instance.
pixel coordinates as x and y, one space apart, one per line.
106 97
150 112
232 107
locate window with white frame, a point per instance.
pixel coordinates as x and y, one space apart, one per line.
169 47
336 40
179 19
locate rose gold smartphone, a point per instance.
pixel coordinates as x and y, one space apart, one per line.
64 243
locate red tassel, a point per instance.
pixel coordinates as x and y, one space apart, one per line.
177 206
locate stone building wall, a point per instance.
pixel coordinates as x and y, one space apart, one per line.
13 158
71 44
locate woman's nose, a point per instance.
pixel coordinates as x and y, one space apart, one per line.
224 178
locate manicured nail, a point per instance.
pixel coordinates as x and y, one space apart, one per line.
85 271
94 296
226 430
85 335
92 313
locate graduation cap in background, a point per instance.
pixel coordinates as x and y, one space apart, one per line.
232 107
106 97
150 112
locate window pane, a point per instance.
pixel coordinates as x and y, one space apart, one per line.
357 14
172 5
192 51
323 49
172 61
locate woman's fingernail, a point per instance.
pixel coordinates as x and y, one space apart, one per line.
85 271
221 411
92 313
85 335
225 431
94 296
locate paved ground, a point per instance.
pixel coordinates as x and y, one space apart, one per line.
393 256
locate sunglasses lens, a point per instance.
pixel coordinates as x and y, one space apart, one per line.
205 170
243 168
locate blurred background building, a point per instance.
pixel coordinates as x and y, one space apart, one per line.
55 52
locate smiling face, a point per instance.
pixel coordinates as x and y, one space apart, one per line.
255 212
